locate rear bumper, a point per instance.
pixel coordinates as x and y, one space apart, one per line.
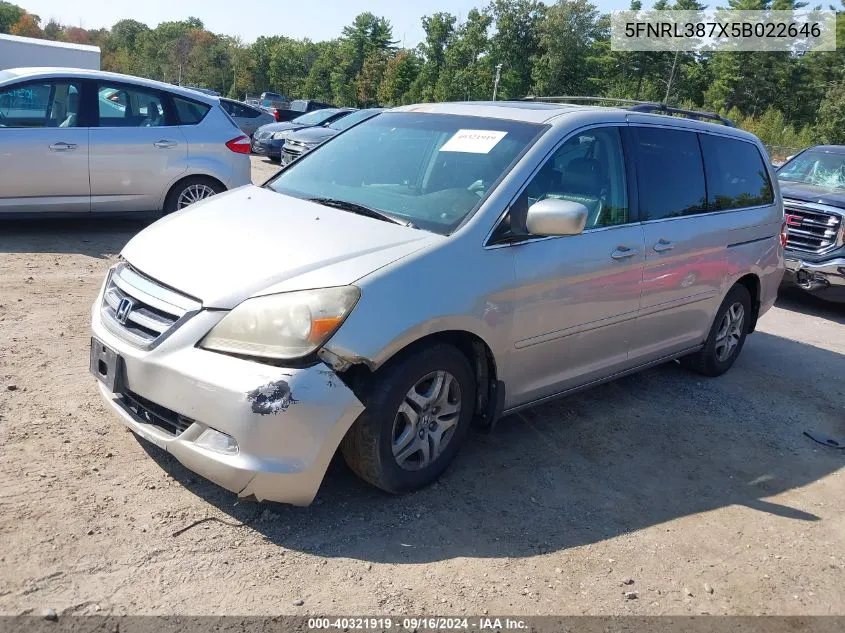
287 422
271 148
825 279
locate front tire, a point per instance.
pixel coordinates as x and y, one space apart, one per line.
418 412
727 335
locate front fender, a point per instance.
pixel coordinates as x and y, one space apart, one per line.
451 287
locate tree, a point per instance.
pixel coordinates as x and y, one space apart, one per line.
467 70
516 43
27 26
439 30
399 74
559 47
567 37
366 36
9 15
831 118
368 81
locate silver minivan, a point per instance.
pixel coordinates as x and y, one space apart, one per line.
84 141
431 268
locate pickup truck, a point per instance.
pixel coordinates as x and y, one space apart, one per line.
813 187
297 108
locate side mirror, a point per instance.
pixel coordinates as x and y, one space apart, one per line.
556 217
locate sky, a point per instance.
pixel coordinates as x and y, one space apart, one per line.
315 19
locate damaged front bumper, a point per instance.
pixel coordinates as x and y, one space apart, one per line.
287 423
825 279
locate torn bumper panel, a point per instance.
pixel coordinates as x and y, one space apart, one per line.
287 422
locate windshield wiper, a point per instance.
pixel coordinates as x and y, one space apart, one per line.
360 209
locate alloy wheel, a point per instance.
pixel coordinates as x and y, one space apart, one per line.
426 420
730 332
193 193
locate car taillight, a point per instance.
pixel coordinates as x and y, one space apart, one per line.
239 145
784 234
276 115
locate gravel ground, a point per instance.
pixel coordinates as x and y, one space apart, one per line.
661 493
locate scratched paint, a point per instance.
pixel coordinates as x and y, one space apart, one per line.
274 397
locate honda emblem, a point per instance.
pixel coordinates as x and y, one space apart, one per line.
123 309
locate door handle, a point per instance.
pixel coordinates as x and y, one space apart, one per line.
62 146
165 144
623 252
663 245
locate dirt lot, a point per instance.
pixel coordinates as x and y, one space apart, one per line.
700 496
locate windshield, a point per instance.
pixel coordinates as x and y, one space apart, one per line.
315 118
431 170
344 123
815 168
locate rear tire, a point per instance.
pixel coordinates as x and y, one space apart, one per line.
191 189
727 335
418 412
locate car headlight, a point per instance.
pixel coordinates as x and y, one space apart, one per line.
279 136
287 326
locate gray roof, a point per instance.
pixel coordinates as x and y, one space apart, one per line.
530 112
544 112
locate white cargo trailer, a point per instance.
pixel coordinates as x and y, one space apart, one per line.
20 52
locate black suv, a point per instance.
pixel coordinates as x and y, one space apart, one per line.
813 187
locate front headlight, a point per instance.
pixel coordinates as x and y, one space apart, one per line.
279 136
289 325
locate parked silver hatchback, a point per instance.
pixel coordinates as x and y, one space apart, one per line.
84 141
434 267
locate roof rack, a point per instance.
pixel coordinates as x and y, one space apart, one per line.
692 114
640 106
571 98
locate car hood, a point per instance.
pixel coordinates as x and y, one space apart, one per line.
313 134
253 241
813 193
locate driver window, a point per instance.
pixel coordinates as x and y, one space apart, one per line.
588 168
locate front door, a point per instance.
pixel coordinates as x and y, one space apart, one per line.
43 148
577 297
137 150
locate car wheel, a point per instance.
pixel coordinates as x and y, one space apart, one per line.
191 190
727 335
418 411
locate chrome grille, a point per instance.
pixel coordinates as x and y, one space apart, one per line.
141 311
811 229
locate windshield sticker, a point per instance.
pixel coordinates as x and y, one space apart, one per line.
473 141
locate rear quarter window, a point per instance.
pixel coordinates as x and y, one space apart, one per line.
736 174
190 112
